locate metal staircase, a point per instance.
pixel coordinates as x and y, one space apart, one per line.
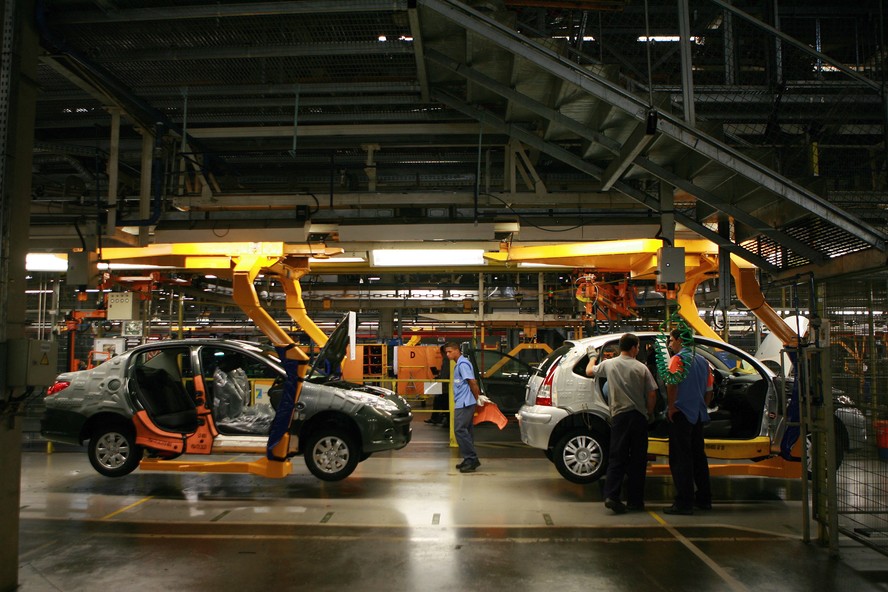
583 114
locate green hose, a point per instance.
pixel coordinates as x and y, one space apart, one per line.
661 352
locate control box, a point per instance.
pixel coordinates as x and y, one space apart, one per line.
671 265
31 362
122 306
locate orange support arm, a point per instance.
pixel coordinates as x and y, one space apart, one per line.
246 269
750 294
687 307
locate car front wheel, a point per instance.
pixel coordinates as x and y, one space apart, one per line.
113 451
580 456
331 454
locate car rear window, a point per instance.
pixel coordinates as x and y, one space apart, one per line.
552 358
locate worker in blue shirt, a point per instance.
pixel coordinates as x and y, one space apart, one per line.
465 396
688 402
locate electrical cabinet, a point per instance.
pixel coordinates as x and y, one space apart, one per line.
671 265
123 306
31 362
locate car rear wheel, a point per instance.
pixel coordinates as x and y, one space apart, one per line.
580 456
331 454
113 451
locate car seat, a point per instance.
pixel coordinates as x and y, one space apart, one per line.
166 400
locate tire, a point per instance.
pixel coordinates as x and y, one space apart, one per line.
581 456
331 453
113 451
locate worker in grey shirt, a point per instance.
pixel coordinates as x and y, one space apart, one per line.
633 392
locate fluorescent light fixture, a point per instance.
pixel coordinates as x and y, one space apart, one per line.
668 39
426 257
46 262
382 38
585 37
334 259
131 266
544 265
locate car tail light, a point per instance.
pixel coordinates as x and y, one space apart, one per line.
544 394
57 387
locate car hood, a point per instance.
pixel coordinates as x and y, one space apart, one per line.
329 360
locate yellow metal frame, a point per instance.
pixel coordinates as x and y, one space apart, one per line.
514 353
774 466
639 258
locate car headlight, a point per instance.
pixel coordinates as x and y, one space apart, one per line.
374 401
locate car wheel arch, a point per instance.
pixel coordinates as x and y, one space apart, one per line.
329 419
103 420
588 420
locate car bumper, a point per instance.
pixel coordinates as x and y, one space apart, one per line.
389 435
537 422
58 425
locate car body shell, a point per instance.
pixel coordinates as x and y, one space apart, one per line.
376 418
563 407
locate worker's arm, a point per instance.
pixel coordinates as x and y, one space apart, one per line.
651 402
593 361
671 392
473 385
710 383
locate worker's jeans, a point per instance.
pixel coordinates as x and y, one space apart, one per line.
688 463
464 430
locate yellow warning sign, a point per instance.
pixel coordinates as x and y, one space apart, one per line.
44 361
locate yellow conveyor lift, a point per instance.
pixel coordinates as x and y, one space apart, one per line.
242 263
638 257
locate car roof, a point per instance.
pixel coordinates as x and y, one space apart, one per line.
598 340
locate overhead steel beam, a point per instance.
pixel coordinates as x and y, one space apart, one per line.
216 10
740 215
552 63
418 51
640 139
332 131
301 50
307 88
523 100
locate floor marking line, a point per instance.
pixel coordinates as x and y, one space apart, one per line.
730 580
220 516
326 517
125 508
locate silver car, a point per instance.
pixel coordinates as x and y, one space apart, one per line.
565 413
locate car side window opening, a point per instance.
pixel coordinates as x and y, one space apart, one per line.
738 396
232 379
553 358
158 376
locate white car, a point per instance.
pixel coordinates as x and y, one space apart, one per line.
566 413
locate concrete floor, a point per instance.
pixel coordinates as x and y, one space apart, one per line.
408 520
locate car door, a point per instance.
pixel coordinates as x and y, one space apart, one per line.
502 378
238 387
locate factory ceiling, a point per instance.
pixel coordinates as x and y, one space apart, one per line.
361 123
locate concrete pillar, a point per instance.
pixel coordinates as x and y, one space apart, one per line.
18 95
386 327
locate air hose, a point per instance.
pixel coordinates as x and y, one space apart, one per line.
686 354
